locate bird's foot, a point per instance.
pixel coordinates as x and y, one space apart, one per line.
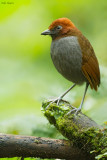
56 100
76 110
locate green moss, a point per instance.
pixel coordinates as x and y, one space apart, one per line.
86 137
36 141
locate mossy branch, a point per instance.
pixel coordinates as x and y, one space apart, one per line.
84 133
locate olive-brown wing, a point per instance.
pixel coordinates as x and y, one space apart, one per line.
91 71
90 66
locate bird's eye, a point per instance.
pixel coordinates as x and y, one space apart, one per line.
58 27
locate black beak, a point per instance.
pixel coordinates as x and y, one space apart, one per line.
46 32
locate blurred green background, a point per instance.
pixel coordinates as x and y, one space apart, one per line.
27 75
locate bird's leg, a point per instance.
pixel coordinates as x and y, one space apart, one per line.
80 107
61 96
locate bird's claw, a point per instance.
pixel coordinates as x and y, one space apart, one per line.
57 100
76 110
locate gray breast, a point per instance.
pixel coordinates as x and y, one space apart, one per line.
67 57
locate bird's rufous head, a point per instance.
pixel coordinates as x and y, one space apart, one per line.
59 28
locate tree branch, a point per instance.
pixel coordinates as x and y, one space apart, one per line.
84 133
84 136
29 146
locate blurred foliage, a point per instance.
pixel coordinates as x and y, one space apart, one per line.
27 75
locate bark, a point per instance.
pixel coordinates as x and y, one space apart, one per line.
29 146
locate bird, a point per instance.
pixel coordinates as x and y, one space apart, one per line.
73 56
